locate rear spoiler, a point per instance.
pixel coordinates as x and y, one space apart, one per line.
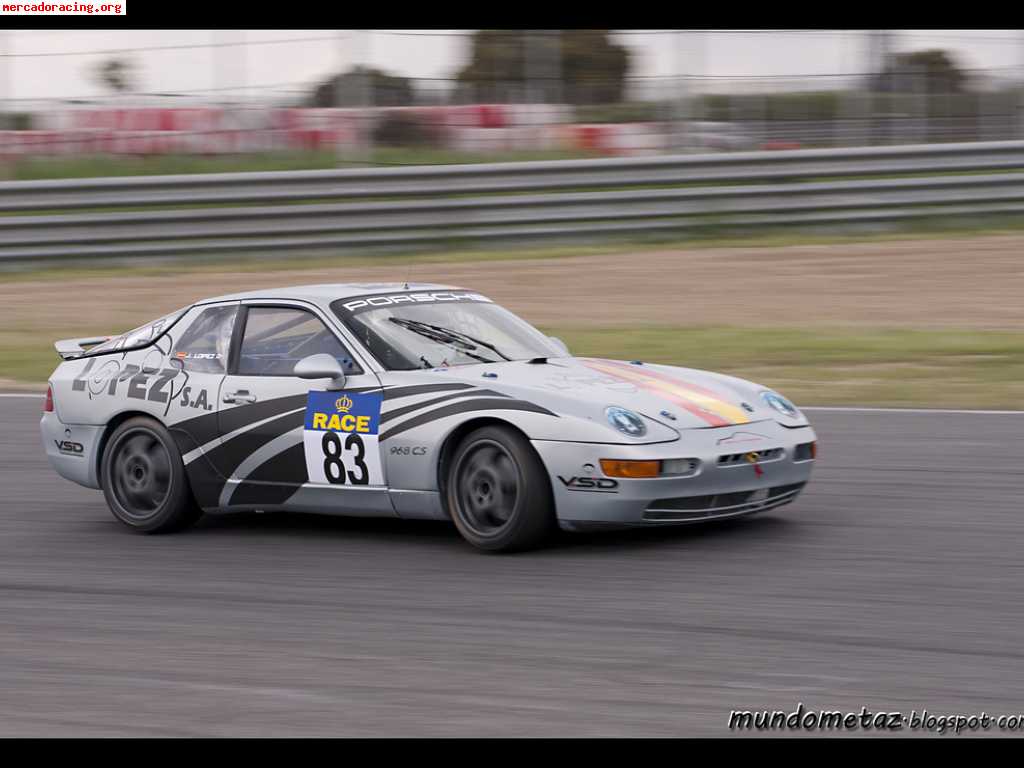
69 349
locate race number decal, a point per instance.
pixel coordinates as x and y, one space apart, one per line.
340 438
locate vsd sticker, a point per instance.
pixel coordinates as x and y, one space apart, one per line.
341 438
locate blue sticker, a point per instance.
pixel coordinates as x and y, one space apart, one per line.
354 412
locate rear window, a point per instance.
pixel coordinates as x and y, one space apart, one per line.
139 337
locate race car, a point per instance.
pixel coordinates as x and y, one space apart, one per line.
409 401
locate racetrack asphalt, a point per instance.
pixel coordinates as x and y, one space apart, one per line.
895 582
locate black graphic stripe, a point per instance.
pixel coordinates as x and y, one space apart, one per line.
204 428
228 455
391 393
274 481
203 479
209 426
476 404
244 415
427 403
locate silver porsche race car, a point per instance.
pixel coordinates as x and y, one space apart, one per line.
411 401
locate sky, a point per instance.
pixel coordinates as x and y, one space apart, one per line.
58 64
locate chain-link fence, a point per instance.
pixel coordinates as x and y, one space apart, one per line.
510 92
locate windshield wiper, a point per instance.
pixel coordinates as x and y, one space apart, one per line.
473 339
449 336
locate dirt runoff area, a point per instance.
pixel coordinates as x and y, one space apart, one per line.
958 282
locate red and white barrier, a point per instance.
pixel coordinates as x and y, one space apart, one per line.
216 130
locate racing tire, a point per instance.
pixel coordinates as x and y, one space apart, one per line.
144 479
498 492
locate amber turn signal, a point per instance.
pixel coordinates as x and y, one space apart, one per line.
627 468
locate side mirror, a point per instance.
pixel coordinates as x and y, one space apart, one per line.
321 366
560 344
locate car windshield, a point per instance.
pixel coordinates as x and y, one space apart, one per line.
436 330
141 336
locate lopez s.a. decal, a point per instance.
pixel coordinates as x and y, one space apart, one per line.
150 380
341 438
112 378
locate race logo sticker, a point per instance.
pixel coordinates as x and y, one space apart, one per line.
341 438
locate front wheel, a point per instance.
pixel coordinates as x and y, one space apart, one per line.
498 493
144 479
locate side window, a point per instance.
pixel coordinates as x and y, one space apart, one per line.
203 348
276 338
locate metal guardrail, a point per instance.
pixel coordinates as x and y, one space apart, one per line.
576 199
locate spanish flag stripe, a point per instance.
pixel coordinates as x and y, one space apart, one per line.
708 407
675 395
626 368
661 377
704 398
660 388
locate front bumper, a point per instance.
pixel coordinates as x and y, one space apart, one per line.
717 488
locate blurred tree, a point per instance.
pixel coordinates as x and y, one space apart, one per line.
581 66
116 74
404 130
347 89
940 72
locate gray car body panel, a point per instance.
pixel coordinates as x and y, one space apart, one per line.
250 455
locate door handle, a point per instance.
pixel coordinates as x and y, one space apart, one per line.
241 396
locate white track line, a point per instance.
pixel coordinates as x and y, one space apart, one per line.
841 409
24 394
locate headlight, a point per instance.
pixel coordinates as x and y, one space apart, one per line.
625 421
780 404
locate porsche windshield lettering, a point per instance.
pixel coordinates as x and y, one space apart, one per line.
410 298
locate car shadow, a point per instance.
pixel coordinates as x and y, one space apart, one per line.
437 532
304 523
749 528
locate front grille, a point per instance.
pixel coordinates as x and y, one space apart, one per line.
693 508
738 459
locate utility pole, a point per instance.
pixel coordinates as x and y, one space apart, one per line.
557 97
339 95
5 96
216 121
533 62
877 45
841 92
1020 88
219 67
696 97
366 96
678 121
243 62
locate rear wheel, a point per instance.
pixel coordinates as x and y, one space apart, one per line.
144 479
498 493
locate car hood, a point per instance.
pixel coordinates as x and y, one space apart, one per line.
678 398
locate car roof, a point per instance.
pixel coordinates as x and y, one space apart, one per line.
325 293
